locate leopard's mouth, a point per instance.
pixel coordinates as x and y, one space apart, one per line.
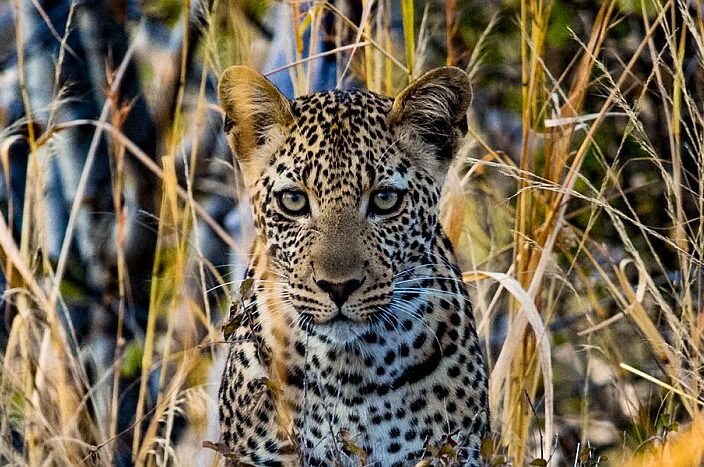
341 328
339 317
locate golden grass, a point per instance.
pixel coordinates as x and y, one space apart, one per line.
682 449
548 263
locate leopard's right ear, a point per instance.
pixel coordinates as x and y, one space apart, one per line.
254 108
434 109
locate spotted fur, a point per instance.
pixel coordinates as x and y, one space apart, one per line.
394 370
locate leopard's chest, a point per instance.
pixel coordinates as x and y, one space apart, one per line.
343 408
388 398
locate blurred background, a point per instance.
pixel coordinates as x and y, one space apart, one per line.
575 206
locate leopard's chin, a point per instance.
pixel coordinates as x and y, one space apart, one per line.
339 330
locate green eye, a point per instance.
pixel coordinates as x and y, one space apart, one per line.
385 201
293 202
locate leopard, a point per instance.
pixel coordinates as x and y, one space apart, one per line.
351 340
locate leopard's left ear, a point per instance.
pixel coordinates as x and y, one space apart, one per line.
254 108
434 108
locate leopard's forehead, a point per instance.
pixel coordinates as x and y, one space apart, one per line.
339 141
359 108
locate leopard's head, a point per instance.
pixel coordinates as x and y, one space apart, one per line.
344 185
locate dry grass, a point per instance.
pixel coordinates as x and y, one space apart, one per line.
531 265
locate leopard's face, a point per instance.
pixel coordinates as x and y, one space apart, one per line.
343 206
344 188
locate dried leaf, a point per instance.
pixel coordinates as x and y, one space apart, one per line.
233 322
246 289
350 447
447 450
585 455
487 448
272 385
221 448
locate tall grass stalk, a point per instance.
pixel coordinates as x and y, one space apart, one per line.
409 36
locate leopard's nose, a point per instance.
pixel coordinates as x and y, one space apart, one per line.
341 291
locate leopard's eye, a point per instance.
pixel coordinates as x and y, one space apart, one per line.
385 201
293 202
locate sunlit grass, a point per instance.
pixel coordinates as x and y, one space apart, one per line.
525 225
